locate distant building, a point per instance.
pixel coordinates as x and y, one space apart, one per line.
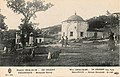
74 27
98 33
43 39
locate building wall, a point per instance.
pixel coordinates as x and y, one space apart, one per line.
82 27
64 29
72 28
48 40
76 27
39 40
91 34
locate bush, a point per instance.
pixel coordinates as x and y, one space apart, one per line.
22 59
55 54
41 50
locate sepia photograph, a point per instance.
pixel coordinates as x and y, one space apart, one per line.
55 33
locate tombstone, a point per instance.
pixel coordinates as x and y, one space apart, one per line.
5 50
49 55
53 55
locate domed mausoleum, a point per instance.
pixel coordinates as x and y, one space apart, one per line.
74 27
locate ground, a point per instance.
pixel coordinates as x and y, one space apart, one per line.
77 54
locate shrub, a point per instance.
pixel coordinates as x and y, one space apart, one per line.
22 59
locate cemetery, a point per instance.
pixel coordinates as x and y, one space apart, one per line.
74 41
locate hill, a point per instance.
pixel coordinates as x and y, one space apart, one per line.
52 29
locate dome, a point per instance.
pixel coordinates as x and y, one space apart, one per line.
75 18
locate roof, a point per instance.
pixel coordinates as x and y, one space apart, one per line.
75 18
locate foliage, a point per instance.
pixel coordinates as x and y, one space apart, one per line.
8 38
112 20
97 22
28 10
103 21
2 23
22 59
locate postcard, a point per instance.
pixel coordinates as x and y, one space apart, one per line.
59 38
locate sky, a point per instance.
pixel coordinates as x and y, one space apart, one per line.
61 10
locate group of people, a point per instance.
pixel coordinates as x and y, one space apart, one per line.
64 41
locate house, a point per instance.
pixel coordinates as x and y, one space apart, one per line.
97 33
40 38
74 27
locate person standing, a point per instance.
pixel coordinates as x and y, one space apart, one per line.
66 41
62 41
32 51
111 42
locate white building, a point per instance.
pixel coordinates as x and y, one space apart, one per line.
74 27
99 34
39 40
42 39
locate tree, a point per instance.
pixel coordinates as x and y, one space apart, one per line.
103 21
2 23
113 19
97 22
28 10
3 26
8 38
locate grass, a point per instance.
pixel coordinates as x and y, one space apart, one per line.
78 55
